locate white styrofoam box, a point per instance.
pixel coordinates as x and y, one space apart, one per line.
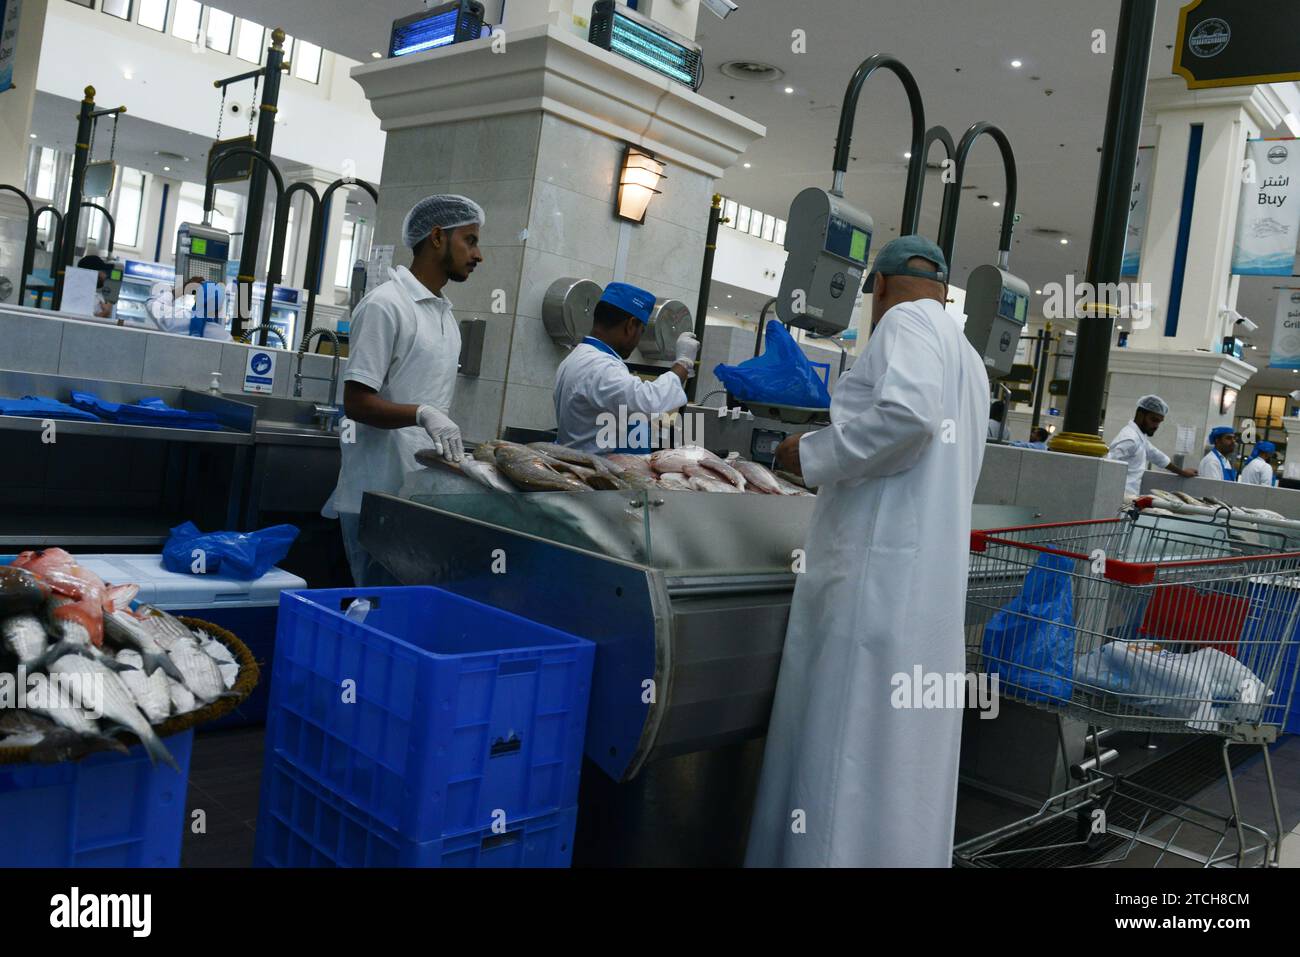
170 590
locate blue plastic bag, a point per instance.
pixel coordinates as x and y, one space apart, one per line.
242 555
1029 644
782 375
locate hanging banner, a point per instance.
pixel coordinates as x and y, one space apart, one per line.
1286 331
1269 214
1137 211
8 41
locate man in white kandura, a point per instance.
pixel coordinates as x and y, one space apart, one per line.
1133 444
593 384
1217 463
1259 469
848 779
401 374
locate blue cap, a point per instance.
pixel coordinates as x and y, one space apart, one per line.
1265 447
892 260
1216 434
633 301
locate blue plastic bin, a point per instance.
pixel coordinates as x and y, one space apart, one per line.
301 824
109 810
435 715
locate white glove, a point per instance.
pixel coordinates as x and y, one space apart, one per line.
444 433
688 347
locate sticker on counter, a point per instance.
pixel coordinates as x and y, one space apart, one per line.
259 372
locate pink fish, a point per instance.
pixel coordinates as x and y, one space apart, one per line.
87 591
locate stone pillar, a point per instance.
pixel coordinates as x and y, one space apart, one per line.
15 142
296 268
1227 116
535 133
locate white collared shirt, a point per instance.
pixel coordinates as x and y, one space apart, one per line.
404 344
1134 449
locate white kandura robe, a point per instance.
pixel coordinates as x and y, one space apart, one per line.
884 591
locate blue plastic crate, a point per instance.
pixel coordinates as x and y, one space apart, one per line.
109 810
458 710
301 824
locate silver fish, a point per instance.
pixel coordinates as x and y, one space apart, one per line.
200 673
115 700
219 653
149 691
675 481
166 629
64 711
183 701
26 637
758 477
703 483
125 629
50 743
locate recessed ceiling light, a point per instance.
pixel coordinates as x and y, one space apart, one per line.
377 55
789 89
1064 241
996 203
1038 292
748 165
32 135
127 75
1016 64
167 169
907 156
728 295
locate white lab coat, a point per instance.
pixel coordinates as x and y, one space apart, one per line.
1215 466
1256 472
404 344
593 381
884 592
1135 450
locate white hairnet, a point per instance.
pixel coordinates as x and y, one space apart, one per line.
445 210
1153 403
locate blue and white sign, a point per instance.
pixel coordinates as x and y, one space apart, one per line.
9 10
259 372
1137 212
153 271
1286 331
1269 217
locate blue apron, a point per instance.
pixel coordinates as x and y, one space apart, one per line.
1229 473
638 441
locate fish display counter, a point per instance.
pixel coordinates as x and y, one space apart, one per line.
686 594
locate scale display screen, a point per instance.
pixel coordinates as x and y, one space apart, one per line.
847 241
1014 307
199 247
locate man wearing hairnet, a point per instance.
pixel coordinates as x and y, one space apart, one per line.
403 352
1258 469
1133 446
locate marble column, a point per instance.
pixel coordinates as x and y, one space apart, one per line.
535 132
15 141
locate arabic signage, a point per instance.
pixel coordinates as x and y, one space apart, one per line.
9 10
1286 331
1269 213
1237 43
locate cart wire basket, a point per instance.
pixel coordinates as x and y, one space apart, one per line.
1139 623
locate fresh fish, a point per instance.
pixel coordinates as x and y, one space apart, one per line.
183 702
65 577
676 460
675 481
26 637
219 653
485 473
788 487
116 703
1186 498
150 692
127 630
585 459
166 629
119 597
64 711
708 469
49 742
198 670
703 483
759 479
638 481
486 451
631 463
20 591
528 469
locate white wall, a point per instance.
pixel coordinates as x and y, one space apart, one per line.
328 125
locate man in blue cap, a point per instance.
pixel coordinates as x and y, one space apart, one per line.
594 387
1217 463
854 776
1259 469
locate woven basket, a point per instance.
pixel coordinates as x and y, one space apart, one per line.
245 682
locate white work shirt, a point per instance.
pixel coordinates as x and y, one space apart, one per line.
1256 472
999 430
1215 466
884 595
593 381
1134 449
404 344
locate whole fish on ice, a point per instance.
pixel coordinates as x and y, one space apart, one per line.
528 469
25 636
150 692
99 685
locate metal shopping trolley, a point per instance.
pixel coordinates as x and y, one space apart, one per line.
1171 625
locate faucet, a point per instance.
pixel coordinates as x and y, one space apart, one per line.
326 415
248 334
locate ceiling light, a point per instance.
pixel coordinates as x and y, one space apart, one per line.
996 203
789 89
1038 292
1016 64
127 75
728 295
907 156
376 54
748 165
1064 241
32 135
167 169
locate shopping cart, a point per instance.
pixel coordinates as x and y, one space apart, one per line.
1136 624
